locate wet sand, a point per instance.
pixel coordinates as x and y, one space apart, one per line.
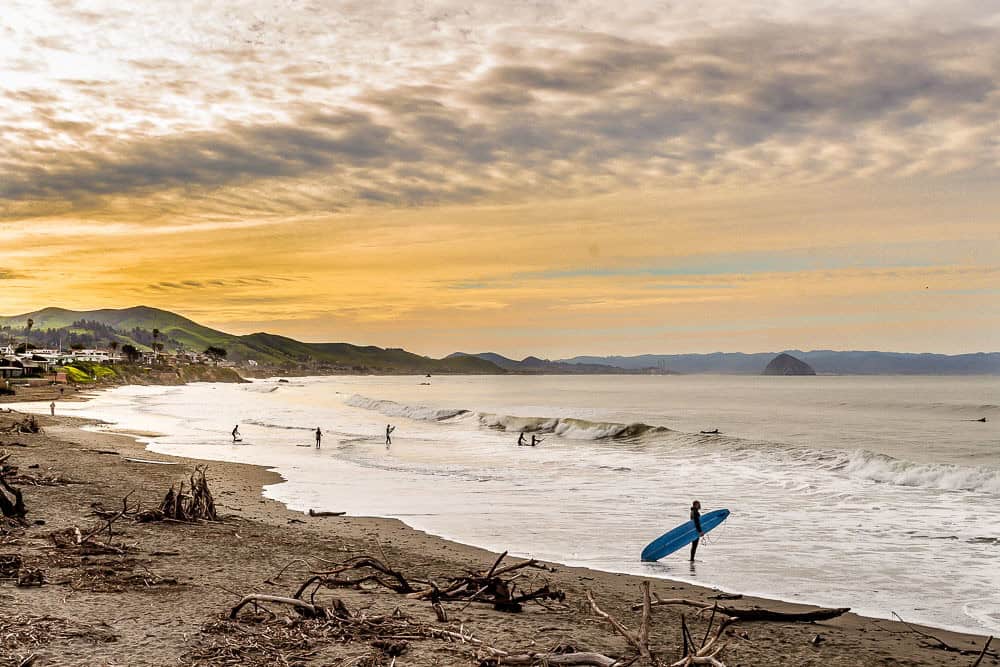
161 603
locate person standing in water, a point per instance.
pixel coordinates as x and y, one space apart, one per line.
520 440
319 437
535 440
389 428
236 433
696 517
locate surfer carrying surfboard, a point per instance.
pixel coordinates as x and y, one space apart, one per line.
696 517
236 433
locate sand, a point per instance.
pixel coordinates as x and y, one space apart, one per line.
163 602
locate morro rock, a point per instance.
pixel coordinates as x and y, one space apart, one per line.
786 364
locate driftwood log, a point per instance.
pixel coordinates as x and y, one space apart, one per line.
752 614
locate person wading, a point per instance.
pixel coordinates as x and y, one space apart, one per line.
319 437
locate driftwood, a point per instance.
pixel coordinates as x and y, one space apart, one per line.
554 659
302 608
195 505
27 425
930 641
13 507
752 614
315 513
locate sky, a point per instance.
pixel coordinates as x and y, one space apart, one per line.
527 177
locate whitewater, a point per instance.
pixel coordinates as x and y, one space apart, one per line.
876 493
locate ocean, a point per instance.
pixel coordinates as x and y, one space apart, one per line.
876 493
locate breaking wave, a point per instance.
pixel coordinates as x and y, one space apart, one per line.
394 409
886 469
564 427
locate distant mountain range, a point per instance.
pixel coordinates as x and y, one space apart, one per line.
95 328
543 366
829 362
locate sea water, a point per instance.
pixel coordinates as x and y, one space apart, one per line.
876 493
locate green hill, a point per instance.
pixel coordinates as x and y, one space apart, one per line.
135 325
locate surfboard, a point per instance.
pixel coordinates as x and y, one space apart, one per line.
681 536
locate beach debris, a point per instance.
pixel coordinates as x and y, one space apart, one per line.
752 614
197 504
313 512
927 640
705 653
29 424
11 507
21 633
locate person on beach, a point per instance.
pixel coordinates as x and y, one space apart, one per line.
319 437
535 440
696 517
520 440
52 407
389 428
236 433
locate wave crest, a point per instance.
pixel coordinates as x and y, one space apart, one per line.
394 409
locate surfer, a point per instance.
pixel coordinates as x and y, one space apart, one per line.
389 428
52 407
520 440
712 432
696 517
319 437
535 440
236 433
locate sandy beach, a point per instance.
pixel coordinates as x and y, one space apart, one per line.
164 600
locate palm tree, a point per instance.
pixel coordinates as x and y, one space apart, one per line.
27 330
156 335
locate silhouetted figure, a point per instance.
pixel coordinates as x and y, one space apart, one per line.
52 407
520 440
535 440
236 433
319 437
389 428
696 517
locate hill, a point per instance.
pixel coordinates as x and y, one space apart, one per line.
54 326
544 366
786 364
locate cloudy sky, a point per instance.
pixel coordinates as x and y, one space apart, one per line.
530 177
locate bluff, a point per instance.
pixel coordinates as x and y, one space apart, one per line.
786 364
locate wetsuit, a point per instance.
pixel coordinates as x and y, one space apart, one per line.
696 517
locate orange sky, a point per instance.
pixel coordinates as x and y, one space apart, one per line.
528 180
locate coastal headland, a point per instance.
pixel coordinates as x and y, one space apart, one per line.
163 593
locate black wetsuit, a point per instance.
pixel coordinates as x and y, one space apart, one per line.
696 517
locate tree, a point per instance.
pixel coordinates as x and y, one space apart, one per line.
76 346
156 335
131 352
216 353
27 331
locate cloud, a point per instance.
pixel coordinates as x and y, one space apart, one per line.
574 113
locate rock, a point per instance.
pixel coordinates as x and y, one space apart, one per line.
786 364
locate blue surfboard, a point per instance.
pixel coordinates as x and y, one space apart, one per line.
681 536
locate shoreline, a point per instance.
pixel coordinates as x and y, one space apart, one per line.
142 438
238 489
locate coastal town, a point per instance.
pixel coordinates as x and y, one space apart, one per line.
26 365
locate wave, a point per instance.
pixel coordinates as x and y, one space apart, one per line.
945 476
281 426
568 427
858 464
564 427
394 409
